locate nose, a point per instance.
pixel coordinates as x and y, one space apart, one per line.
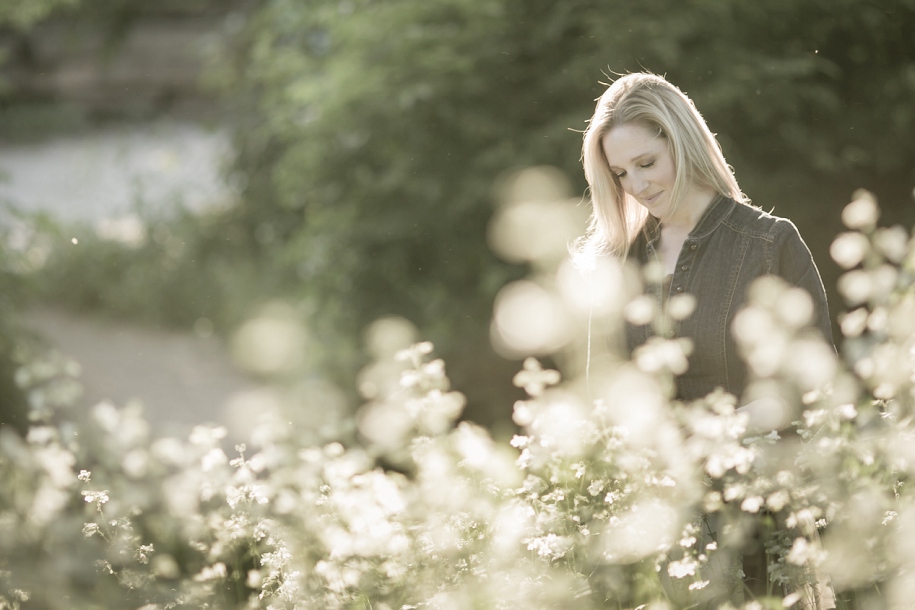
639 184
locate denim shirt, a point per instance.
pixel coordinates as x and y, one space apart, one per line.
731 245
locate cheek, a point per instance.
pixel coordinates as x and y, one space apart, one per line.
670 172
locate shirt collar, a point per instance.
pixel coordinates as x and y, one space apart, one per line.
714 215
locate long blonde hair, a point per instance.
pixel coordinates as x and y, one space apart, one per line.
651 101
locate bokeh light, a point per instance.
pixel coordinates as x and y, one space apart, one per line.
273 343
598 289
642 530
535 221
529 319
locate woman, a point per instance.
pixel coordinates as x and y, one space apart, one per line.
662 193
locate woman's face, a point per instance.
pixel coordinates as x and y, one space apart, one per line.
641 160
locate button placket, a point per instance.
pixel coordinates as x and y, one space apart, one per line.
656 290
678 280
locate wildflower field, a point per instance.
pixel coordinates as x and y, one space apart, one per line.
600 501
381 206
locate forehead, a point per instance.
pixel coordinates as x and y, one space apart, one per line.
626 144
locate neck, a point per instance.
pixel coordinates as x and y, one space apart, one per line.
688 213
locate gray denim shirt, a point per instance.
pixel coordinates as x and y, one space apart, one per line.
731 245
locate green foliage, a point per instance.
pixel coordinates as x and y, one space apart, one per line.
607 497
23 14
13 404
35 122
369 135
371 132
165 272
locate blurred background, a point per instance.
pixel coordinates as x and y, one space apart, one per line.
171 170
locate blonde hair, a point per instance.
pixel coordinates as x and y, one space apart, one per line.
651 101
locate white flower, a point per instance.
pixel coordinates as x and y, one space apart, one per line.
143 553
778 500
414 353
799 552
803 519
551 545
207 435
681 306
213 572
682 568
254 579
434 369
892 242
752 504
214 457
90 529
847 411
520 442
640 311
41 435
814 417
99 497
522 414
861 213
849 249
534 378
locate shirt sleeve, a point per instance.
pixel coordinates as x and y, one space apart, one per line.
793 262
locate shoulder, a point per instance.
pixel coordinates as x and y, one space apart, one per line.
788 253
754 222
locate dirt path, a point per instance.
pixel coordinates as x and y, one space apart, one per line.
180 378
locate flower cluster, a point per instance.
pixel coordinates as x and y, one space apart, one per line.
611 494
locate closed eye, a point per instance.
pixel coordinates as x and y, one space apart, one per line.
622 175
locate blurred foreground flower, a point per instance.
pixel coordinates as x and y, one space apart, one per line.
610 495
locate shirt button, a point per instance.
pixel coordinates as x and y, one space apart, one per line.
684 267
693 247
679 288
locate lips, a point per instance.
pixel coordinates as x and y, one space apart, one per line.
653 198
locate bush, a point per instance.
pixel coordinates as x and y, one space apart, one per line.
162 271
370 135
602 499
13 262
